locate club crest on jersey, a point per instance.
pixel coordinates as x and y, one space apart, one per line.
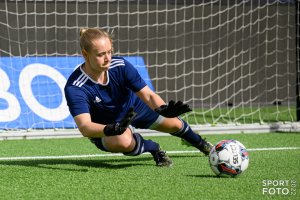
97 100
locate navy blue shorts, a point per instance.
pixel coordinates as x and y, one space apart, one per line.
145 117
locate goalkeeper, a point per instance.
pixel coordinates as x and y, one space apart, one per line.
107 97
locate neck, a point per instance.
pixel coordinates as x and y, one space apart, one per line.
98 76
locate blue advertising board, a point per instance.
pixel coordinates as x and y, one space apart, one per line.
31 90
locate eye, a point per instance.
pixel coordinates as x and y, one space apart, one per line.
104 53
101 54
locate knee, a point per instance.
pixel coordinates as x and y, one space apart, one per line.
170 125
178 125
121 143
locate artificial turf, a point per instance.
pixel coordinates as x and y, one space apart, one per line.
120 177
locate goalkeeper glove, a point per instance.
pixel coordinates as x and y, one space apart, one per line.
173 109
120 127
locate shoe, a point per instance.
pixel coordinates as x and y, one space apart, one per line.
161 159
205 147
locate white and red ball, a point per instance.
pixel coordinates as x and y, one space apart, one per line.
229 158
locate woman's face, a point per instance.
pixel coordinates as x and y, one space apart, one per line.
99 57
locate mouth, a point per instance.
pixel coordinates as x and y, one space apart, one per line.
106 64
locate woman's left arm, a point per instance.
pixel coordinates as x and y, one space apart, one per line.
152 99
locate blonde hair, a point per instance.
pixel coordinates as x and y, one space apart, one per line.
87 35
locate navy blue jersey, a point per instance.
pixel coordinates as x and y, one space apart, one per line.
108 103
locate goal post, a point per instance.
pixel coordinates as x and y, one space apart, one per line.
297 20
233 61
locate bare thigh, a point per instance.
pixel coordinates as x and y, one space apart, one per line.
120 143
169 125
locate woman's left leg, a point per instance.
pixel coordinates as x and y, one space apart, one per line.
179 128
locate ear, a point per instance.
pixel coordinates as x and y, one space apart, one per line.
85 54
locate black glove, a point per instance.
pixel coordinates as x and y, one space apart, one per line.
173 109
119 127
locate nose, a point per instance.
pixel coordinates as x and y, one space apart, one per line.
107 57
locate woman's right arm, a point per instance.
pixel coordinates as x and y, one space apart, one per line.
87 127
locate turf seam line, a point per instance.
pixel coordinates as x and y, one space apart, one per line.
120 154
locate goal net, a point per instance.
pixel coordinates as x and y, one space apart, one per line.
233 61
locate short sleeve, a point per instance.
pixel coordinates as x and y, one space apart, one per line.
77 100
133 79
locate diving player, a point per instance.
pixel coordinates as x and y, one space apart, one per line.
106 94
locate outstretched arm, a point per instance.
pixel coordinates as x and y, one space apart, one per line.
173 109
155 102
95 130
87 127
152 99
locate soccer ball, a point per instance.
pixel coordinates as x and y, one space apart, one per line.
228 158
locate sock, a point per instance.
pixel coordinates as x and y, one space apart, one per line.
142 146
188 134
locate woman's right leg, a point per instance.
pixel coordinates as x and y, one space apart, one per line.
132 144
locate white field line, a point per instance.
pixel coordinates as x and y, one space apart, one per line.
119 154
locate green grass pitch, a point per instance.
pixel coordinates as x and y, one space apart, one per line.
77 170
